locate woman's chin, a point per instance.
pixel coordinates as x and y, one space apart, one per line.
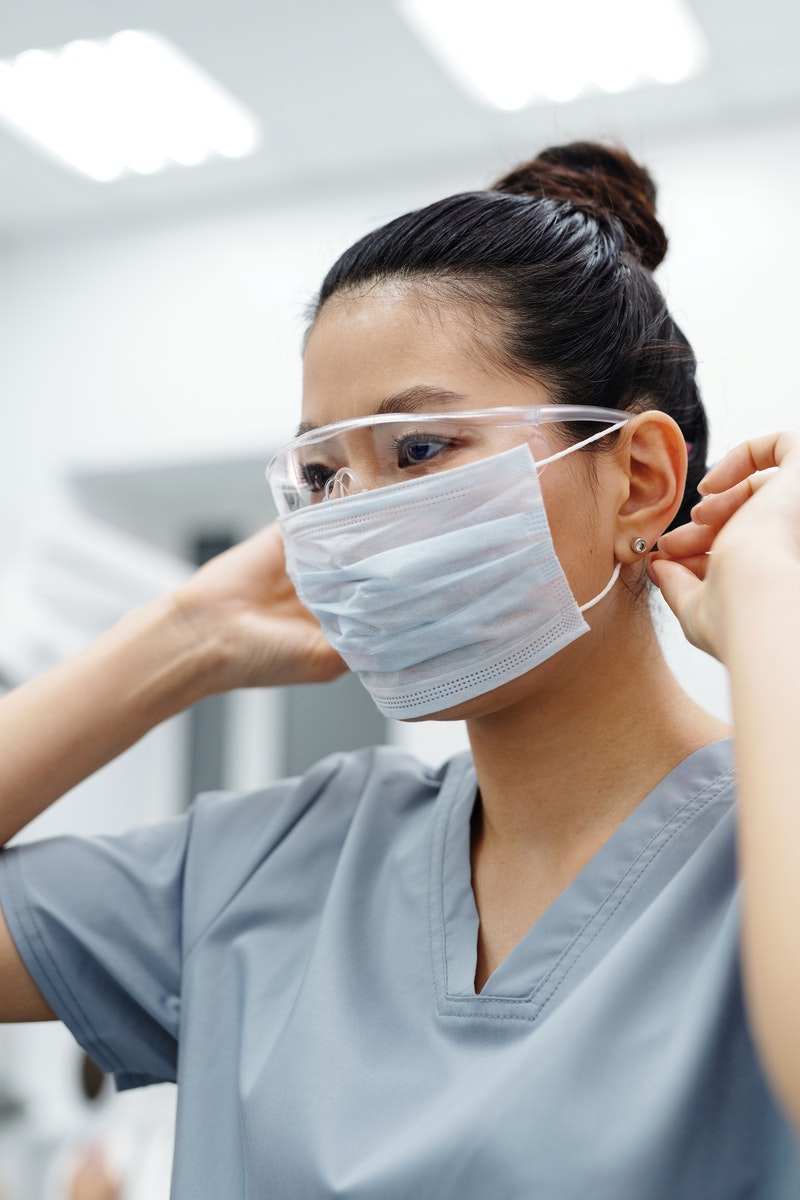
488 703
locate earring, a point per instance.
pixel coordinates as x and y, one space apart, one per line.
639 545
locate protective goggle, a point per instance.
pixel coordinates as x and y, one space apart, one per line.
365 453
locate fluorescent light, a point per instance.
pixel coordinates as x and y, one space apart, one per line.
131 103
515 52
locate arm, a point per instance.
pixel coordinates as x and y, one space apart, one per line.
741 604
236 623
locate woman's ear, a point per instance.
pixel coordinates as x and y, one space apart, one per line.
653 455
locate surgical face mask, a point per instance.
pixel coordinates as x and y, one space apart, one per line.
441 588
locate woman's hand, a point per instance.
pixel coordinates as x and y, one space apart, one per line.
244 603
733 578
743 540
93 1178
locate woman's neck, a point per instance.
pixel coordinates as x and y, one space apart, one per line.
571 765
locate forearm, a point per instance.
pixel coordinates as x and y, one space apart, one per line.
763 659
61 727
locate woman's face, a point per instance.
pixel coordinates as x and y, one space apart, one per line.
396 345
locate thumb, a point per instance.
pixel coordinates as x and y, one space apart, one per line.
676 583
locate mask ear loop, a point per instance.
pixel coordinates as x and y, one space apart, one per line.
602 595
594 437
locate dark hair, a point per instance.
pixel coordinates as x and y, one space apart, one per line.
561 252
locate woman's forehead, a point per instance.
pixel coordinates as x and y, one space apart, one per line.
366 350
388 322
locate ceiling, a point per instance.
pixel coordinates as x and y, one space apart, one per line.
347 98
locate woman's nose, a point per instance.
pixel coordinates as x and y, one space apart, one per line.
343 483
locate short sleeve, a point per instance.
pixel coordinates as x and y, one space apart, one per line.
104 924
97 922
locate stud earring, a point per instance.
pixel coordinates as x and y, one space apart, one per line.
639 545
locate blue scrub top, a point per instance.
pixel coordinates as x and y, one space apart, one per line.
302 960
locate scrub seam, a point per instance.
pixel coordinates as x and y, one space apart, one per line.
696 805
437 897
29 927
646 856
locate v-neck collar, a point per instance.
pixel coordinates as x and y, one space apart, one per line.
592 912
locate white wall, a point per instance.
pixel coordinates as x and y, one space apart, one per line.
730 206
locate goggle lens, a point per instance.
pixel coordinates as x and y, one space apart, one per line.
374 452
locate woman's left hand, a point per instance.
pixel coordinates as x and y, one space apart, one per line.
744 536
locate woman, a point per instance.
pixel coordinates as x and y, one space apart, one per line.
520 975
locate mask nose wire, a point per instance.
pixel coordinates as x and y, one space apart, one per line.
343 483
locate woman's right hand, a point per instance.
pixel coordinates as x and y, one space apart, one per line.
236 623
244 604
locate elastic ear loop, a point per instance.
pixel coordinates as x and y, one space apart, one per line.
560 454
602 595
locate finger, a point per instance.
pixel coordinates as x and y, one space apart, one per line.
687 540
677 585
698 564
716 509
758 454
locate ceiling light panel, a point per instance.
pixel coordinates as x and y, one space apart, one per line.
513 53
130 104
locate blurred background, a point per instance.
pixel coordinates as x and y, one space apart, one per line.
153 283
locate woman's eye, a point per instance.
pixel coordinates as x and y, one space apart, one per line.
415 450
316 475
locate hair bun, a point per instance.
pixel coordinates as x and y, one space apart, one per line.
601 180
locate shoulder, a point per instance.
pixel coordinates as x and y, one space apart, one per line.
300 825
344 781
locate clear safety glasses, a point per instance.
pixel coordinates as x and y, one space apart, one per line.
337 460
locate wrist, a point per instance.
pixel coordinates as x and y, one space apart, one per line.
178 661
203 636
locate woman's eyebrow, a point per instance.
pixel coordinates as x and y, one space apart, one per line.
417 397
411 400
